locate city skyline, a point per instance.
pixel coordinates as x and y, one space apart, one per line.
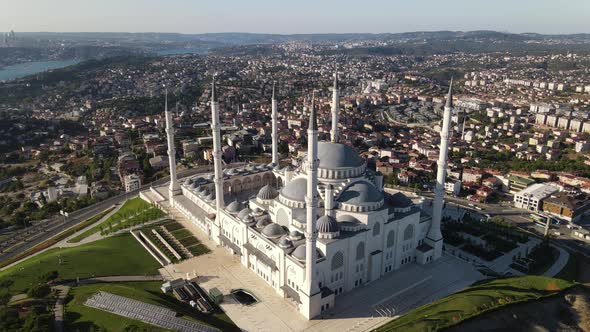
303 17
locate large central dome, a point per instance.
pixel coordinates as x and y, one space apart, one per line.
338 161
337 156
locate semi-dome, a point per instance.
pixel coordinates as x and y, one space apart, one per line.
205 192
361 196
234 207
244 213
327 224
267 193
273 231
295 190
210 197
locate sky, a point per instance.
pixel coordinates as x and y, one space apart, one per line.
295 16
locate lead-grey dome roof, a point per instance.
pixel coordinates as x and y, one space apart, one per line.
267 192
285 242
327 224
361 193
299 252
244 213
234 207
336 156
273 231
295 190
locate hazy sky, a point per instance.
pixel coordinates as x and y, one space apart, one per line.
295 16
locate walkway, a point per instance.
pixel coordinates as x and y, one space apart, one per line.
58 309
559 264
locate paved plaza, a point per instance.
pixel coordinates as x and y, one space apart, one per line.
360 310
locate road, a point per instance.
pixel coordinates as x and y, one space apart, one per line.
521 218
43 231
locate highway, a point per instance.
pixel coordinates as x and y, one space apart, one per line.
42 231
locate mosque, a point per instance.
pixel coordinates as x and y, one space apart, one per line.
316 231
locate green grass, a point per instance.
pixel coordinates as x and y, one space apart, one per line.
488 295
48 243
181 233
128 209
82 318
117 255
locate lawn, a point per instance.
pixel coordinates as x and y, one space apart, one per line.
82 318
488 295
125 215
118 255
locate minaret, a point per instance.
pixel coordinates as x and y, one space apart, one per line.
463 130
275 134
434 236
215 128
174 188
335 108
311 202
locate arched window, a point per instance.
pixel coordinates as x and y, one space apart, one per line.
337 261
360 251
409 232
376 229
390 239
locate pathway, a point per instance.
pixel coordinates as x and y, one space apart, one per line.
58 309
559 264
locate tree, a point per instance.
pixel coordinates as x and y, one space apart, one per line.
39 291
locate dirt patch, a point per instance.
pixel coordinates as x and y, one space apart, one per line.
569 311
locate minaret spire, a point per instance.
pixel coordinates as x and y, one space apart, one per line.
275 134
335 108
434 237
311 201
216 131
174 188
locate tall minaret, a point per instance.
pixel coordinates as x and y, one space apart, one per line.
215 128
311 202
275 134
434 236
174 188
335 108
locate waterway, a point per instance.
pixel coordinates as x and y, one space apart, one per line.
188 50
29 68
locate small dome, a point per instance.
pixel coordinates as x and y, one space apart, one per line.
249 219
295 190
295 235
257 212
234 207
194 185
205 192
210 197
285 242
273 231
299 253
327 224
244 213
262 222
267 193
